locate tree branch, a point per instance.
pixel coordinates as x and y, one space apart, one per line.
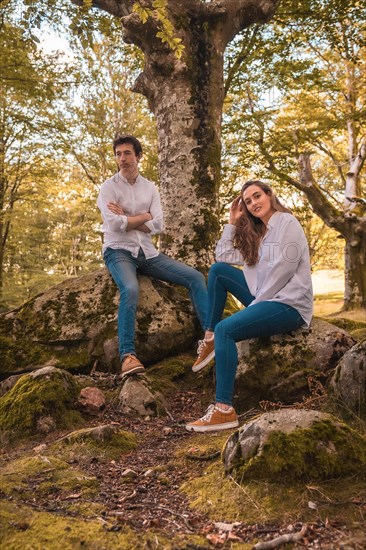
242 55
352 178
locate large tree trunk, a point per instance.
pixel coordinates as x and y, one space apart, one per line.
187 104
355 265
350 224
186 96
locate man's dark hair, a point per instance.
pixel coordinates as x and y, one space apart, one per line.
120 140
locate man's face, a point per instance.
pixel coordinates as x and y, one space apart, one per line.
127 159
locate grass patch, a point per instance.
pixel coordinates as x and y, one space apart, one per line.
22 527
224 499
43 475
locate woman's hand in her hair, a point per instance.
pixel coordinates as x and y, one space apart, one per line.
236 210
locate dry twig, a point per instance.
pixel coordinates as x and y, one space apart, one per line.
290 537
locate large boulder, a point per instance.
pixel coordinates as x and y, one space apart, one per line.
279 368
349 380
74 324
294 444
40 402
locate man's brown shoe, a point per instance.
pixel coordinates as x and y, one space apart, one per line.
131 365
206 352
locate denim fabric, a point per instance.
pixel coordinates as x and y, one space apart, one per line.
124 269
261 320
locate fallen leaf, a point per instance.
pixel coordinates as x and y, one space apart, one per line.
216 540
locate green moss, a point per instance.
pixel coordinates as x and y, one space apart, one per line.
221 498
33 398
348 325
19 351
43 475
22 527
320 452
165 375
81 445
359 334
44 326
144 322
270 360
203 238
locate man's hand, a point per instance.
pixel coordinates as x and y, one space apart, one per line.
143 228
115 208
133 222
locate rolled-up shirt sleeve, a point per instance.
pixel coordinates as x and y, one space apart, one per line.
225 250
156 224
114 222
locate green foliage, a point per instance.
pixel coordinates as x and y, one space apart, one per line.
60 113
158 12
299 88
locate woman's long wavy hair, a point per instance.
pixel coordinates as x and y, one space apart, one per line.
250 230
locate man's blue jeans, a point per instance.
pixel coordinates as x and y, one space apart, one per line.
257 321
124 268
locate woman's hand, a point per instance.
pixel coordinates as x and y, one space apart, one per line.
236 210
115 208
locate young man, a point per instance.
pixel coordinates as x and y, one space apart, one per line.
132 213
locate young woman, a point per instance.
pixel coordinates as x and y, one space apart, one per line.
274 286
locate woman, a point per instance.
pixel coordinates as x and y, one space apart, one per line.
274 286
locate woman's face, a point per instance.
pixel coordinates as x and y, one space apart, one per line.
258 203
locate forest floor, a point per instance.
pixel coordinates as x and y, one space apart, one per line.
144 497
142 491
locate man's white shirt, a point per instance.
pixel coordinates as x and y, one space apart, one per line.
137 198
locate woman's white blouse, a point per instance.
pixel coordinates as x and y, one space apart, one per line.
282 273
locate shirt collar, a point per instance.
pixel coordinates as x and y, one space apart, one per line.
272 220
126 181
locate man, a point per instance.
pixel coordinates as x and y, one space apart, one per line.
132 213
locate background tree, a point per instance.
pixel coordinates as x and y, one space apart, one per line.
311 133
58 118
28 90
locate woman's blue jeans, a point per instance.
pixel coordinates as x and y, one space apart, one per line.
257 321
124 268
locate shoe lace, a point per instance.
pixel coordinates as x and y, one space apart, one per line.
208 414
201 345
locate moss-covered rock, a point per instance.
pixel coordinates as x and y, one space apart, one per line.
349 380
107 441
293 444
44 396
278 368
74 324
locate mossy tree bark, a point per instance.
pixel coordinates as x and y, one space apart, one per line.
186 95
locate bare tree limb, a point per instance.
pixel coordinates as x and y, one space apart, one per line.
274 543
